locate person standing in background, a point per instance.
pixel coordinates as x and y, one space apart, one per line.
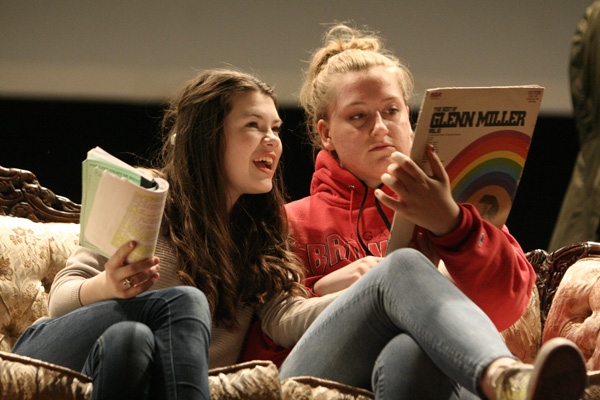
579 216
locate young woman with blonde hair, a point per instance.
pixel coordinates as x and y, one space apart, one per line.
404 332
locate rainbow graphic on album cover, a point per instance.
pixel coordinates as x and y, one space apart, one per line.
482 136
487 172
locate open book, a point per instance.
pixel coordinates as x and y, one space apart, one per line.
482 136
119 203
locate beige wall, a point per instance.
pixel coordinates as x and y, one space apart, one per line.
143 51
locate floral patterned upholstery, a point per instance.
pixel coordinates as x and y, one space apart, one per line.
31 253
24 378
524 337
575 312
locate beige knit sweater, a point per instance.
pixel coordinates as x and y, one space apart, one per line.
284 319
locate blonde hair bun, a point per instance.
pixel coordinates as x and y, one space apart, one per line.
344 50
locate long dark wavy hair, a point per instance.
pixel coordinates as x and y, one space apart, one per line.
241 256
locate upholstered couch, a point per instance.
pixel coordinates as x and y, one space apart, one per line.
39 230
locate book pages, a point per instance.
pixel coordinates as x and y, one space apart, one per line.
123 211
119 204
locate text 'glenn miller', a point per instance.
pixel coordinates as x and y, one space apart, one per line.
458 119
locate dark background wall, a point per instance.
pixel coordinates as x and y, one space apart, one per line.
51 138
143 51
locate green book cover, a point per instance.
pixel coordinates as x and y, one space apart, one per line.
119 203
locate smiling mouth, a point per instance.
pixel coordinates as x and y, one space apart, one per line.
264 162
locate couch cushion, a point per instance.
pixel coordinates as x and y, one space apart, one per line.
575 310
31 254
524 337
308 387
249 380
24 378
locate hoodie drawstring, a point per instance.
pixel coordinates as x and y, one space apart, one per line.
385 219
379 209
352 189
360 210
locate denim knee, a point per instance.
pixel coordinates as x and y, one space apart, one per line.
130 335
193 298
191 295
403 370
184 301
121 361
395 266
130 342
408 257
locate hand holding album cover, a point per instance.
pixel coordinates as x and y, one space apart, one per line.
482 136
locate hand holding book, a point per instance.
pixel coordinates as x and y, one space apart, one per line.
120 278
425 200
119 204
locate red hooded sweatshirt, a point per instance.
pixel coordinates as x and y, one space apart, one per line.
342 221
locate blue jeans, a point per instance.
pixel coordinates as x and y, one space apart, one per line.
404 331
154 345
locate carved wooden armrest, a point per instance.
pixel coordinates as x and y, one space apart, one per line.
550 269
21 195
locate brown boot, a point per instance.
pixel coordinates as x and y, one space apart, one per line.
559 373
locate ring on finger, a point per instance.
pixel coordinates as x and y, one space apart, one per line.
127 282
